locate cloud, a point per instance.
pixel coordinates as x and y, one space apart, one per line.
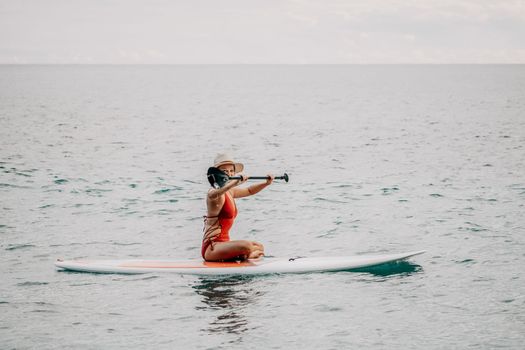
270 31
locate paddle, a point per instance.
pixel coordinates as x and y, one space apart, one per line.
219 178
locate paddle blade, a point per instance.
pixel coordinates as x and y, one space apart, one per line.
217 178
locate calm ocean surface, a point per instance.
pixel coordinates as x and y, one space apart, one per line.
110 161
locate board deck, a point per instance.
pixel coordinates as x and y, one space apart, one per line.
251 267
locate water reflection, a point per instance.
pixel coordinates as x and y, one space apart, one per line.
403 268
231 296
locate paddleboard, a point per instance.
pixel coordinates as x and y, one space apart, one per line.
250 267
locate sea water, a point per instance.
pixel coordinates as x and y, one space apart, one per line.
109 162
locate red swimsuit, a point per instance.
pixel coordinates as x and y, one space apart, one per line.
223 223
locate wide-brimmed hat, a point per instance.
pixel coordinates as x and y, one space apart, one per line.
225 158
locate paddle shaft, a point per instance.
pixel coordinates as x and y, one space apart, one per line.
284 177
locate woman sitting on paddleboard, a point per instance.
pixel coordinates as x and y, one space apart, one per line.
221 213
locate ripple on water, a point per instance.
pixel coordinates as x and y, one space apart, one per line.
389 190
31 284
44 311
520 188
328 308
125 243
19 246
167 190
18 172
472 227
6 185
166 201
97 192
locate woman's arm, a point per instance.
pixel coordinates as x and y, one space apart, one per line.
252 189
215 193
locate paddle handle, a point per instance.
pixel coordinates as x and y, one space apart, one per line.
284 177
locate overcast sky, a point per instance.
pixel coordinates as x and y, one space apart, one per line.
262 31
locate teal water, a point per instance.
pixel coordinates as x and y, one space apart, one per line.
109 162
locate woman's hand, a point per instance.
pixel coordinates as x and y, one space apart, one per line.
243 179
270 179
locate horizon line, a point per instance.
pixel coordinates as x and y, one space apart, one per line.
265 64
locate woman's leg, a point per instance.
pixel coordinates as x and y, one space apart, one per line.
231 250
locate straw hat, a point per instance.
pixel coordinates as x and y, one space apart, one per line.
225 158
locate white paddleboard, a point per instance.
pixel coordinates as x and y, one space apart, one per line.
251 267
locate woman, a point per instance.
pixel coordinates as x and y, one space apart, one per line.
221 213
